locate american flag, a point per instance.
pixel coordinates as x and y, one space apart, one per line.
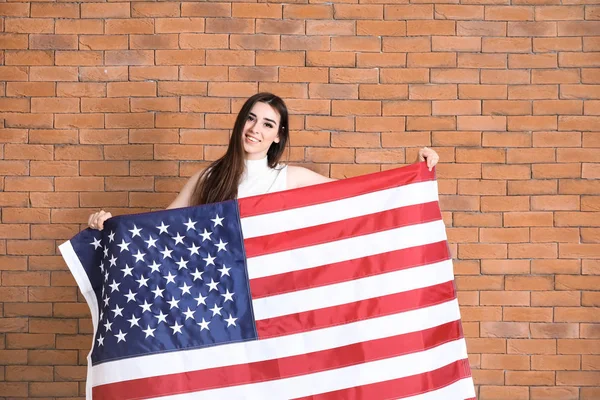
343 290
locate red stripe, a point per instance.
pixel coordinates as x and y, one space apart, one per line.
402 387
354 354
348 270
339 230
355 311
331 191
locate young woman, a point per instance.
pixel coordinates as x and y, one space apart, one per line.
251 164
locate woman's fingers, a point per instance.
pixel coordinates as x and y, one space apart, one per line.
103 218
96 220
90 219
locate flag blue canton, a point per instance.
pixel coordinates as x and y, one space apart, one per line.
168 280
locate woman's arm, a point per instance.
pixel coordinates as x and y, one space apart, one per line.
300 177
184 198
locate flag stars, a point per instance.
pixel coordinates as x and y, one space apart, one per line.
228 296
130 296
200 300
142 281
124 245
204 325
178 239
190 224
113 261
127 271
182 263
170 278
139 256
224 271
161 317
209 260
121 336
114 286
149 331
216 310
197 274
217 221
194 249
154 267
149 251
230 321
205 235
185 289
118 311
158 292
173 303
151 241
133 321
188 314
166 253
145 306
176 328
213 285
163 228
135 231
221 245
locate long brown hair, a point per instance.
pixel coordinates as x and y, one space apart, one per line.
219 181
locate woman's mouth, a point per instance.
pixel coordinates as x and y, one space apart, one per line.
251 139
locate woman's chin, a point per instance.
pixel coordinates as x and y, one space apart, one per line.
253 154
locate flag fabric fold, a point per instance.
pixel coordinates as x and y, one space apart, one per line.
343 290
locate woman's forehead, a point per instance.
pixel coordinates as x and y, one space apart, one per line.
263 110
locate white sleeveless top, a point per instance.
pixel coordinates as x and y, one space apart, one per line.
259 178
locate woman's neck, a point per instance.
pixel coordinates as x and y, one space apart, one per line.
255 156
256 164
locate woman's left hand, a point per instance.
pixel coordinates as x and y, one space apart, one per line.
429 155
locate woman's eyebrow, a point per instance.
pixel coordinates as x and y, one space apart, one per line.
268 119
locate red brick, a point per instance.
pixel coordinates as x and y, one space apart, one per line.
437 27
503 45
405 12
577 28
366 11
381 28
532 29
532 346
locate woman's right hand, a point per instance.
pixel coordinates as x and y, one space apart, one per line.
96 220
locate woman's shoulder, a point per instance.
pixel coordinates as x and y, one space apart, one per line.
184 198
299 176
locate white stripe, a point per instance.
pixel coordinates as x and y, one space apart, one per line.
342 378
352 291
278 347
76 268
346 249
338 210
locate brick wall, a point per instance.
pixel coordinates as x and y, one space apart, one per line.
113 105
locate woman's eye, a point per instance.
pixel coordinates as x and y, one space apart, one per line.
250 118
269 126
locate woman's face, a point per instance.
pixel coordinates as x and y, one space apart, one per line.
260 131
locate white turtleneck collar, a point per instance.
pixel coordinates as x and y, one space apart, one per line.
254 166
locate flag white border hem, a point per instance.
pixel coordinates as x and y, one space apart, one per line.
76 268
